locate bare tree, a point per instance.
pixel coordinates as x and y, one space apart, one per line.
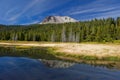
34 38
73 37
77 37
70 35
14 37
63 34
53 37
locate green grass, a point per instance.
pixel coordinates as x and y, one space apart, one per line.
86 57
112 58
9 41
32 52
47 53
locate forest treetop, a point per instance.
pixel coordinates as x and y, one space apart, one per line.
97 30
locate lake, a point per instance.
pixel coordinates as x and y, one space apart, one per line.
22 68
35 63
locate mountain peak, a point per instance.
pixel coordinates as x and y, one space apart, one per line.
58 19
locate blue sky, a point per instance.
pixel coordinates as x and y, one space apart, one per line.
34 11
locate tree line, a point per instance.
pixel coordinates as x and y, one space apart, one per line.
97 30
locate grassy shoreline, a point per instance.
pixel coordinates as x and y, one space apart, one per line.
115 42
63 50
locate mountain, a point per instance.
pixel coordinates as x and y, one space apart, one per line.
57 19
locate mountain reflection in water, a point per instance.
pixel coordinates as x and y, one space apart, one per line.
20 68
56 63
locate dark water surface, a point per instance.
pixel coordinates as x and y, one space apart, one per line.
20 68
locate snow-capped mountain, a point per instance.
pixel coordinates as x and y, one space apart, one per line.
58 19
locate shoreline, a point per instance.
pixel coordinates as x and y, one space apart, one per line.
75 50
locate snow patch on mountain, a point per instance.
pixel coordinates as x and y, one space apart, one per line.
57 19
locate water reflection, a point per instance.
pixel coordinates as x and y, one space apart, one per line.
45 55
56 63
14 68
107 64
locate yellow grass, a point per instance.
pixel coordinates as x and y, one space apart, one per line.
88 49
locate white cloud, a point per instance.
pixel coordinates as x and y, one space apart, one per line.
34 7
97 8
102 9
30 5
18 11
34 22
10 11
114 13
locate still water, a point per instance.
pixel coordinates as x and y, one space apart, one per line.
21 68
